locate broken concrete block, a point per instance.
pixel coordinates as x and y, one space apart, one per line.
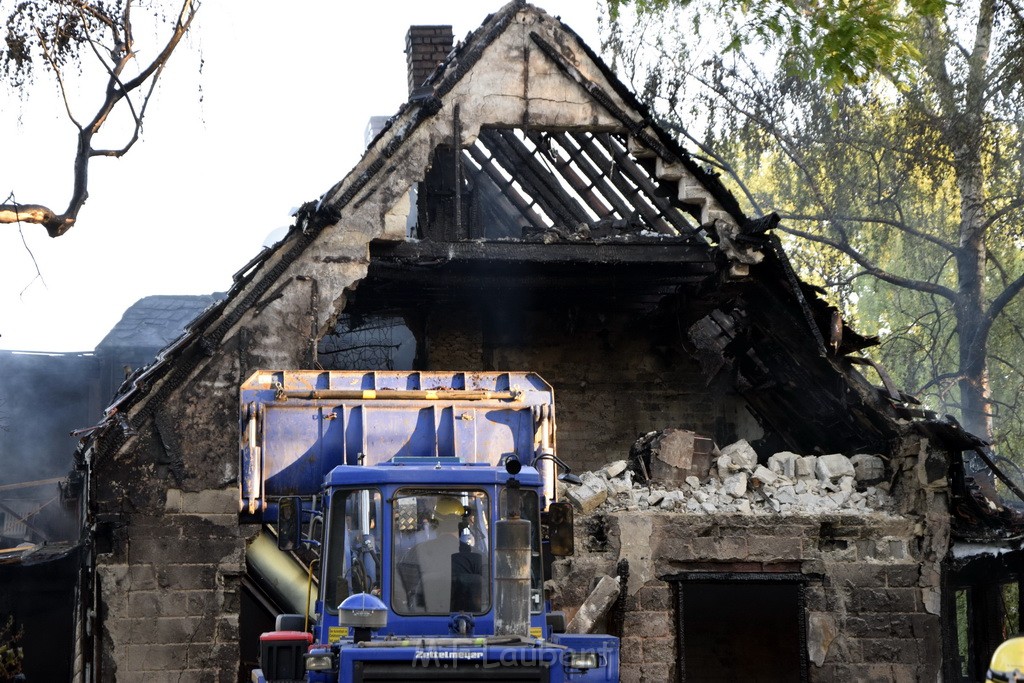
735 485
765 475
671 455
619 486
692 505
595 606
655 497
833 467
846 485
677 453
787 497
805 467
869 469
821 632
783 463
693 482
589 496
743 456
725 466
743 505
709 507
808 500
613 469
932 599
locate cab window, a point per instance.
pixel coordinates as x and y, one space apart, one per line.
352 564
441 543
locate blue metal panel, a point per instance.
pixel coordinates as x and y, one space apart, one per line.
298 425
448 661
427 475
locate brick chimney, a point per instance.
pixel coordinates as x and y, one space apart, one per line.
425 48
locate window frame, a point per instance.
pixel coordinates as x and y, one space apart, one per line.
488 556
327 555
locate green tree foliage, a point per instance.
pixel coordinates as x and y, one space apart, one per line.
11 654
889 137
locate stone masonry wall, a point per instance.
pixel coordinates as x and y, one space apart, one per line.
196 551
871 577
866 616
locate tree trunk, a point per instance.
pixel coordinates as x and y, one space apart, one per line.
963 131
970 305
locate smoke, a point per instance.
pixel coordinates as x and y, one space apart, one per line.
42 398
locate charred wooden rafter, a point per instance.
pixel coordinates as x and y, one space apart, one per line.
563 181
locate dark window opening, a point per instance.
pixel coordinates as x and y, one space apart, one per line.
737 627
354 541
982 609
370 342
440 541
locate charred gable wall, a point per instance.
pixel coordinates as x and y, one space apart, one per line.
613 381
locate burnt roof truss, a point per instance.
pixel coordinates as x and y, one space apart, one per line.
514 183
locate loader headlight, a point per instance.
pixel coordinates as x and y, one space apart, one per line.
363 610
582 660
319 661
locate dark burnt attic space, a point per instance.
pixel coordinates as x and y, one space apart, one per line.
568 253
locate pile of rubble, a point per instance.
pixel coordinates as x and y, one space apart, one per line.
733 481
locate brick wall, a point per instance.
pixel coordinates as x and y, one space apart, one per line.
425 48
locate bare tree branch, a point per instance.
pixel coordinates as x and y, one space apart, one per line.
869 266
122 53
876 220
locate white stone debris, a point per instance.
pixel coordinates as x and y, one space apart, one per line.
831 468
788 484
869 469
742 455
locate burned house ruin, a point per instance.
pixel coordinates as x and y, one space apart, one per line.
522 211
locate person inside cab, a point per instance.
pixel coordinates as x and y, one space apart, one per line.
443 574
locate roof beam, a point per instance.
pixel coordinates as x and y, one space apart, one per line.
526 167
638 176
649 213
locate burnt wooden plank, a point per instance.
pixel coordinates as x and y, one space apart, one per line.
505 186
577 183
650 192
541 179
502 156
567 252
596 176
649 213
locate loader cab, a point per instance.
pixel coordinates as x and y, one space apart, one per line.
421 538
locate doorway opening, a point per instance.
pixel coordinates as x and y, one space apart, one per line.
741 627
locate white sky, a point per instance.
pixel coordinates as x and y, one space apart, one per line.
276 117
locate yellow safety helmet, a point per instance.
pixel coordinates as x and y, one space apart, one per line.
1007 662
448 506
